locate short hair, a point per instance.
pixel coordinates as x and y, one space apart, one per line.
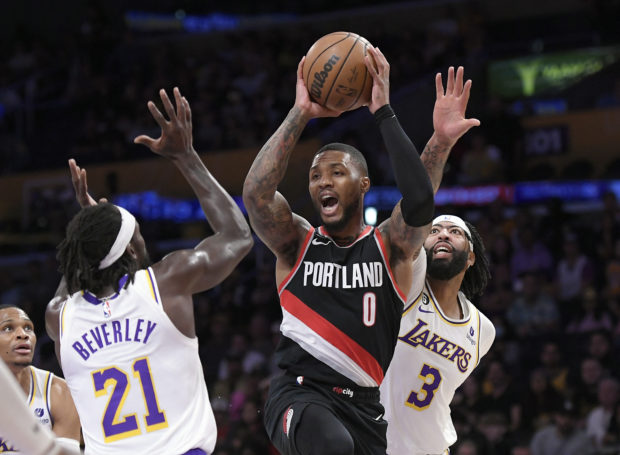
4 306
354 153
89 237
477 276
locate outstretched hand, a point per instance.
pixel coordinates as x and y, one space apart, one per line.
303 100
80 185
380 73
449 113
176 133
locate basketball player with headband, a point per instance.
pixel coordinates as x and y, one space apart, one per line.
442 334
124 328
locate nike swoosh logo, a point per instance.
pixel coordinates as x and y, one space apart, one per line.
318 242
379 418
425 311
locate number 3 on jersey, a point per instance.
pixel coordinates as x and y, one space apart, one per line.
431 378
114 426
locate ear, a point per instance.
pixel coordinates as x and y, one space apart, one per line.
471 259
365 184
132 251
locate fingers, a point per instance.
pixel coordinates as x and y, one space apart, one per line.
438 86
458 88
381 65
167 104
157 115
450 81
188 111
178 100
145 140
466 92
300 68
74 169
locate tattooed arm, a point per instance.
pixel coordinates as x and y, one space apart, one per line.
270 214
449 122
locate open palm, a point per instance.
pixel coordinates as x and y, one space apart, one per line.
449 113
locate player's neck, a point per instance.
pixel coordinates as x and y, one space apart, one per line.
446 293
23 376
347 234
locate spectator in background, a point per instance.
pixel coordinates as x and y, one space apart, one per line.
530 255
467 447
574 272
500 395
591 316
494 427
540 401
563 436
482 163
612 272
584 390
600 347
533 312
555 370
598 420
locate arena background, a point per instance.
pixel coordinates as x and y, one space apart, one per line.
540 178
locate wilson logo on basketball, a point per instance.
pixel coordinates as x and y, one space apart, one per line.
321 76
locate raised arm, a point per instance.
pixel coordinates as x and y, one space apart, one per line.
270 214
408 225
449 122
187 272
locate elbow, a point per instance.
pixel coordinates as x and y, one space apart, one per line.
419 211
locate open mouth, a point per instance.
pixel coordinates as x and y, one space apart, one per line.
442 249
23 349
329 205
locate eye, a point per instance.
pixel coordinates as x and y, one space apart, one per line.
7 328
28 328
314 176
434 230
455 231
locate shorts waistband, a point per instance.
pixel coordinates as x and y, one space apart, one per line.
347 392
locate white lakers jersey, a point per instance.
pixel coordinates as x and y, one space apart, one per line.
38 402
434 355
137 382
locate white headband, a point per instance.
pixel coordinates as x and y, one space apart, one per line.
455 220
125 233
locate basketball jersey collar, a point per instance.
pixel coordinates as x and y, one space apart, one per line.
462 302
91 298
365 232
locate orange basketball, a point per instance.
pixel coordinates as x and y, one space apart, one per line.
335 73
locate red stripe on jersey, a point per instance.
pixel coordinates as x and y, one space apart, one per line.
387 264
332 334
302 253
364 232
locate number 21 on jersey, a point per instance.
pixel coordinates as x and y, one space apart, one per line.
431 378
116 382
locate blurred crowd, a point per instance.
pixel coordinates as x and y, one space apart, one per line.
552 376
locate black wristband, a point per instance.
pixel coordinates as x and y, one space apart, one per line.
384 112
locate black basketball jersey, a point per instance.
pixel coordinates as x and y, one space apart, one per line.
341 310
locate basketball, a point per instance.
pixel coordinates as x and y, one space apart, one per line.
335 73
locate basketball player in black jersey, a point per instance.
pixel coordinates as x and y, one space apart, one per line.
342 285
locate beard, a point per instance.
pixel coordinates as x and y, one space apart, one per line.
445 269
347 213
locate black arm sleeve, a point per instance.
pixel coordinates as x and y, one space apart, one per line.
412 180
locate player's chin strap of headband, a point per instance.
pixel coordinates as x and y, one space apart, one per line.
125 233
457 222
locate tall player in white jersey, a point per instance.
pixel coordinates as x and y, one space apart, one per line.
441 340
124 329
46 395
442 334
